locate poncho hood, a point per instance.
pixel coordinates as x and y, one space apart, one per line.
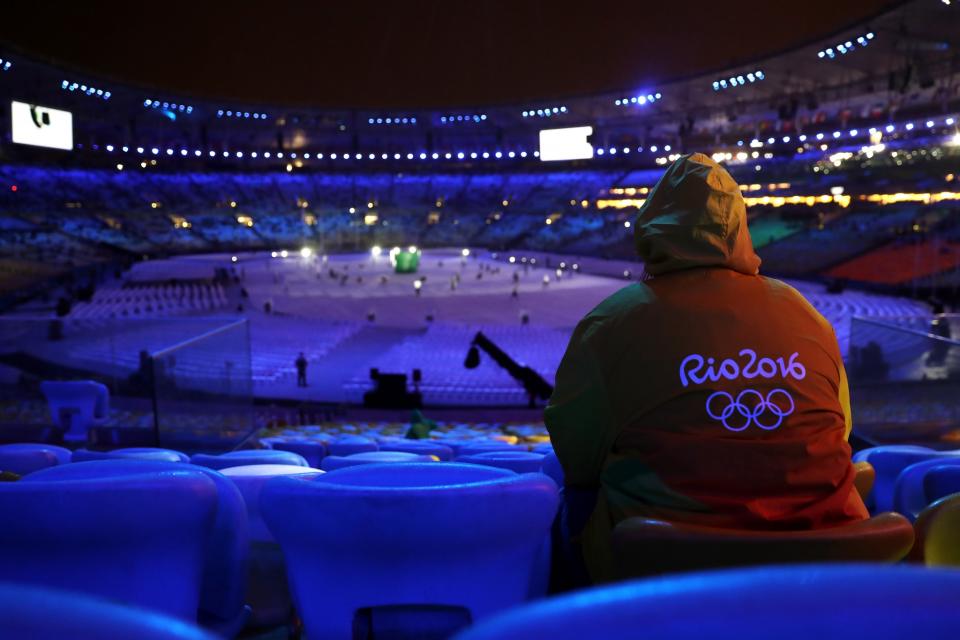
695 217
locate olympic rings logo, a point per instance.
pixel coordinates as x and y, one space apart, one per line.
750 407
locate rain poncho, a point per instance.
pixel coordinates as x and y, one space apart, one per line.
709 393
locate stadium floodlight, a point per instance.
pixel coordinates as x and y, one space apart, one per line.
273 254
306 252
284 253
465 252
233 258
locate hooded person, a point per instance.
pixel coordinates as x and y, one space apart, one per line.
708 393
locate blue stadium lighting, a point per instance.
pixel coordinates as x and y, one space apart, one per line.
197 153
802 138
498 155
638 100
626 149
844 48
230 113
474 118
166 107
460 155
393 120
110 148
473 155
853 133
909 126
184 152
511 154
600 152
547 112
155 151
836 134
5 65
423 156
738 80
523 154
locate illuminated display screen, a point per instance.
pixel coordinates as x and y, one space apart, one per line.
566 144
41 126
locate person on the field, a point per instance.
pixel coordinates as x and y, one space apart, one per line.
708 393
301 370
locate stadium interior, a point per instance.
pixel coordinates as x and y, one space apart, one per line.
220 318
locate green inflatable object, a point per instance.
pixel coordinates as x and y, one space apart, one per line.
406 262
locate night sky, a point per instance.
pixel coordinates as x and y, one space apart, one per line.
415 53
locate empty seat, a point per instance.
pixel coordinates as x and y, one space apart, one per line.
408 534
266 580
787 603
24 458
644 546
76 405
516 461
222 605
888 462
941 481
909 493
136 538
39 613
248 456
349 445
313 451
332 463
473 448
425 447
551 467
138 453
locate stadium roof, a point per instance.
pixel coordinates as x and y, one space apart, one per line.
421 52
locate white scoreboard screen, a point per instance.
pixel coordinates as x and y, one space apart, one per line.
41 126
571 143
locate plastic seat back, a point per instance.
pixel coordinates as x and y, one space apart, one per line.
226 548
248 456
24 458
332 463
888 462
910 496
643 546
516 461
423 447
941 481
131 453
137 538
408 534
49 614
313 451
786 603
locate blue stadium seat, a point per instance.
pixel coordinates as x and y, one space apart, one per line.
427 447
313 451
888 461
138 453
332 463
76 405
222 607
942 481
137 538
551 467
25 458
348 445
248 456
267 590
909 493
427 534
783 602
516 461
38 613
